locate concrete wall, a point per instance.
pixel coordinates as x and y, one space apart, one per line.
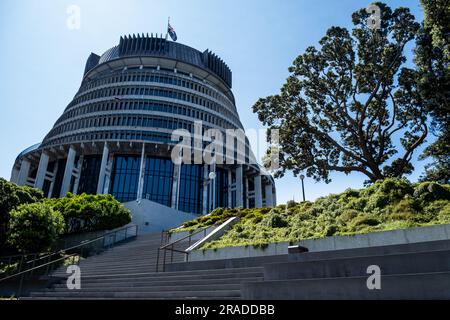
403 236
154 217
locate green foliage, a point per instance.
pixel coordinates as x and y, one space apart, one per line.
291 204
386 205
85 213
11 196
349 102
432 57
431 191
275 220
34 227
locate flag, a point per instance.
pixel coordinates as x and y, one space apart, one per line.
171 32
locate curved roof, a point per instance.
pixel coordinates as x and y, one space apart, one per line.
145 45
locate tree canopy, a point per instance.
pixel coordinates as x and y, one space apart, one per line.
432 57
349 103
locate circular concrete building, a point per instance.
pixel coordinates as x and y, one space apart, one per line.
117 134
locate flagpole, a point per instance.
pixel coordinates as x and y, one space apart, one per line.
167 29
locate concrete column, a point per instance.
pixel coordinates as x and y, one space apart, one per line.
109 168
141 174
274 196
70 162
269 195
42 171
176 186
102 173
23 172
205 188
258 192
78 174
230 185
213 187
247 193
52 184
239 187
14 175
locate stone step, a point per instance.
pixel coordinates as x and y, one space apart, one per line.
142 266
404 263
150 272
145 283
398 287
124 298
211 294
144 278
158 288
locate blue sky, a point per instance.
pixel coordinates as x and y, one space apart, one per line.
42 61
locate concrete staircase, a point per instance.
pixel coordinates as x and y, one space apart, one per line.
409 271
128 272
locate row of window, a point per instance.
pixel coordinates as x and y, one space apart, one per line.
146 106
125 120
126 135
158 77
146 91
111 135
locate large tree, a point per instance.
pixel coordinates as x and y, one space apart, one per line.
350 105
432 57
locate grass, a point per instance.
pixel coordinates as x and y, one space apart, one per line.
386 205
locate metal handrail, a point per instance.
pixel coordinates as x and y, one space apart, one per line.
82 244
63 251
48 264
170 247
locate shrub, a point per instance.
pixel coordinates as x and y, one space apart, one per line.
275 220
431 191
85 213
34 227
385 192
291 204
11 196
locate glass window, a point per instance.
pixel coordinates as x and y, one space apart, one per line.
125 177
158 180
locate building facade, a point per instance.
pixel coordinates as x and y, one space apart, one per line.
115 136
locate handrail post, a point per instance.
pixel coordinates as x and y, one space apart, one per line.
19 291
20 264
171 254
164 261
46 269
9 264
157 259
34 262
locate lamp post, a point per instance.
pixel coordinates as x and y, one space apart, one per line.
302 177
206 182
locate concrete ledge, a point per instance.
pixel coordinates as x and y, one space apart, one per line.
383 238
225 263
404 263
410 287
369 251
